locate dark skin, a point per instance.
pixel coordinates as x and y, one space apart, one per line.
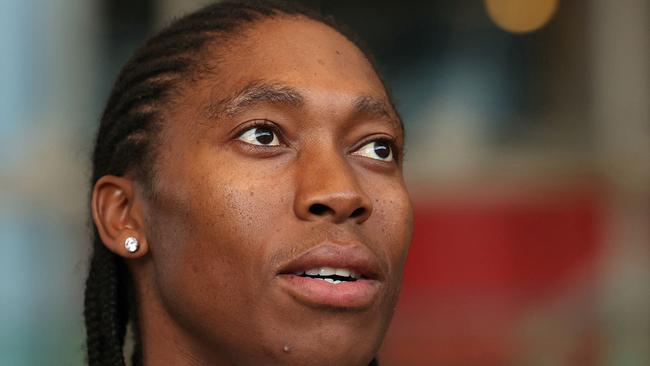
287 121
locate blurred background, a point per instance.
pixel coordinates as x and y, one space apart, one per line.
528 126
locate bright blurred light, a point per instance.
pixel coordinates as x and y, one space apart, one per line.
519 16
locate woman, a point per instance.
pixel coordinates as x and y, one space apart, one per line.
248 200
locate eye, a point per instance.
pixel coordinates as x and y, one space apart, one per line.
378 150
260 135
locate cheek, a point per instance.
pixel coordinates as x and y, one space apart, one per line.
218 227
393 223
208 242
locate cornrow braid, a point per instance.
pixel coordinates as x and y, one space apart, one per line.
124 143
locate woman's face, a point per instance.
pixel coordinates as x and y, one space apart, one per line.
279 162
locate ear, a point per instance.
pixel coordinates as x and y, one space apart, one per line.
117 213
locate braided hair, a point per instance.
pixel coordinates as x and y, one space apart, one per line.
124 143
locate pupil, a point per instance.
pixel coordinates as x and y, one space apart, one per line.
382 150
264 136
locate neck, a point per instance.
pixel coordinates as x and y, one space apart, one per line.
164 341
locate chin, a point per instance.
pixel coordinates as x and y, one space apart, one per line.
340 348
327 337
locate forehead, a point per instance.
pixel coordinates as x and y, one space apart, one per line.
296 51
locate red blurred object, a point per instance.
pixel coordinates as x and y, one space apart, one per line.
476 267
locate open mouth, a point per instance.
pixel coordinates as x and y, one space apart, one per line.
331 275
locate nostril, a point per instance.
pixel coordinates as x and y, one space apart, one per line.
319 209
358 212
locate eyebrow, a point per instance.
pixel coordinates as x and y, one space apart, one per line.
264 91
372 106
254 93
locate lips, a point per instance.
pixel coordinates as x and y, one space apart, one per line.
331 275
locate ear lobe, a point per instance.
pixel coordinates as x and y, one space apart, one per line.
117 213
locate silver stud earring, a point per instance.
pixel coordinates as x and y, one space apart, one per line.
131 244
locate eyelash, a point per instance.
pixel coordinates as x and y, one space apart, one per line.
266 124
390 141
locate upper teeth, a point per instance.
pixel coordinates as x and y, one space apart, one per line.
329 271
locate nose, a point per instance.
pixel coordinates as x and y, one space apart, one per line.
328 189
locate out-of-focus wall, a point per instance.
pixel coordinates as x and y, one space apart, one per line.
48 104
528 132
